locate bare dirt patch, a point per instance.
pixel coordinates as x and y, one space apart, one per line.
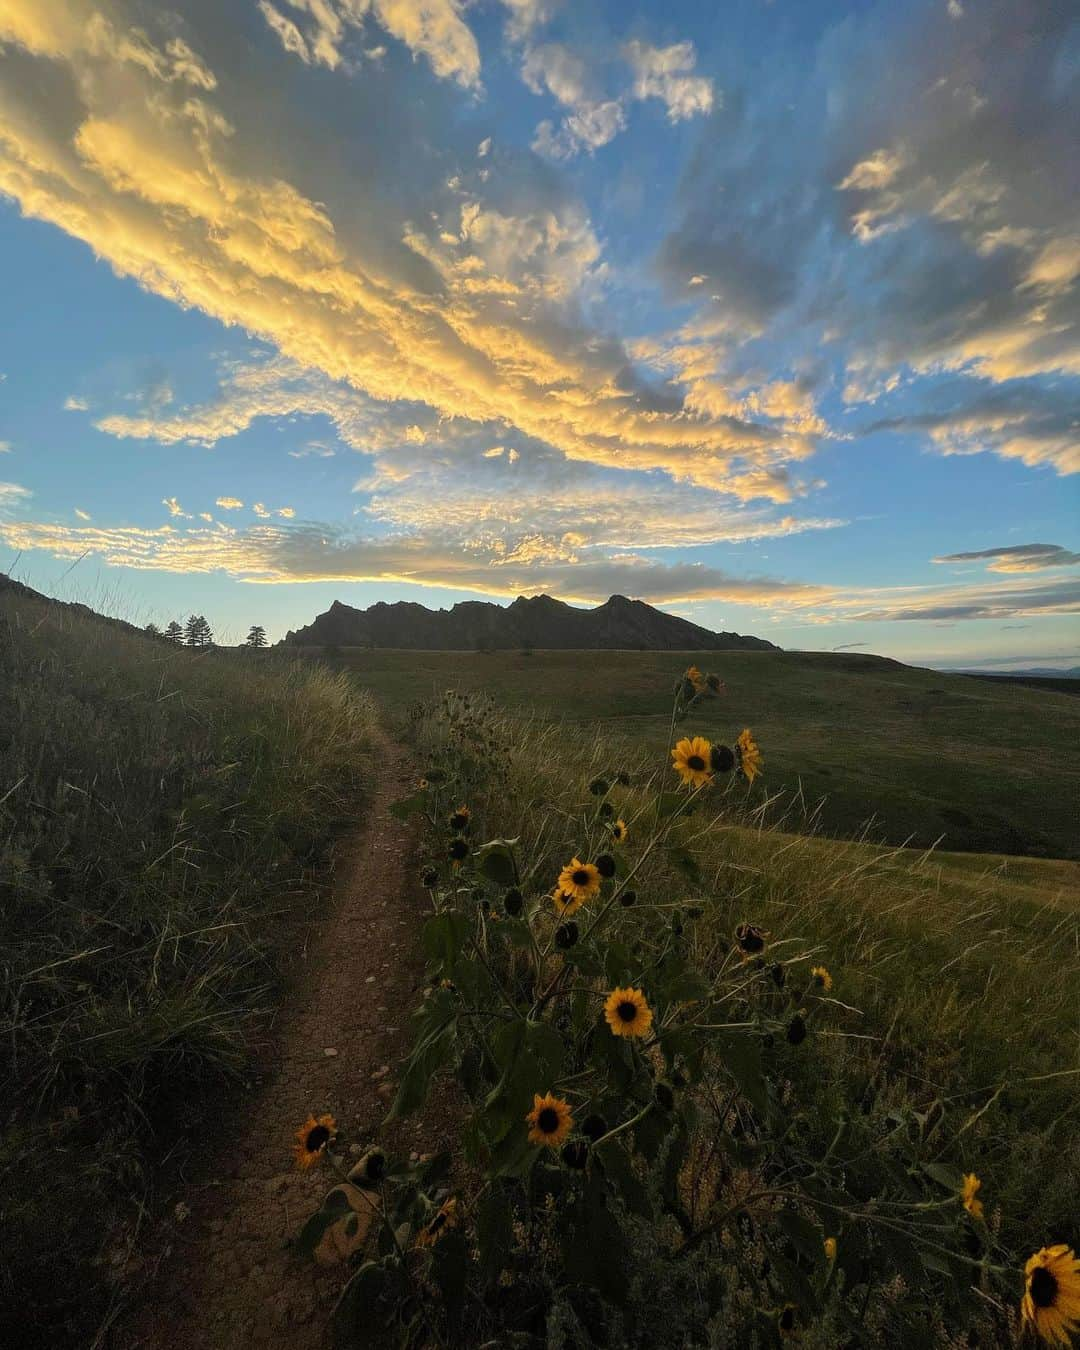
226 1277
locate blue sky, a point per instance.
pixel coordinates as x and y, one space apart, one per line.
766 313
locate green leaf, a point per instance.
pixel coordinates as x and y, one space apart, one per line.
807 1237
334 1207
495 1230
944 1175
496 861
547 1045
450 1271
354 1318
688 987
584 959
593 1245
412 1091
618 963
515 931
684 861
620 1172
444 935
741 1056
407 806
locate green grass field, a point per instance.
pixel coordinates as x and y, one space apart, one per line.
906 754
157 808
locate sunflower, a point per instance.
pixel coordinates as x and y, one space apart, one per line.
821 977
446 1217
312 1139
627 1012
565 904
830 1249
1051 1301
581 880
969 1193
691 760
750 760
459 819
550 1120
696 678
751 939
619 831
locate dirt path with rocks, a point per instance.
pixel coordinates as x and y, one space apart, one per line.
226 1280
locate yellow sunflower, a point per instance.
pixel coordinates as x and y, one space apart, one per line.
459 819
550 1120
750 760
690 760
312 1139
619 831
696 678
580 879
1051 1302
821 977
627 1012
444 1219
969 1193
565 904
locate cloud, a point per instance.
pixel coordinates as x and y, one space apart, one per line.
5 447
174 508
73 403
229 503
285 512
178 186
279 554
433 29
663 73
1020 420
13 493
937 604
260 510
901 203
1018 557
82 515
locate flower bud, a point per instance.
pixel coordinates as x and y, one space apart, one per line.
566 935
605 865
512 902
627 899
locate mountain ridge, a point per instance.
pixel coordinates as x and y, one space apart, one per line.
538 621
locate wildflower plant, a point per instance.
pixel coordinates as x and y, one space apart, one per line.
643 1156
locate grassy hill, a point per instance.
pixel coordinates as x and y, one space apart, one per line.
157 806
921 756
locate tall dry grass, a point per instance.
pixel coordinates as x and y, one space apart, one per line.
157 807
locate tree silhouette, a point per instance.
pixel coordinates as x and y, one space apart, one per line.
197 632
152 630
256 636
174 632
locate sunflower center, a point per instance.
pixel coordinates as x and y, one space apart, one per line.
1044 1287
317 1139
696 763
627 1011
548 1120
580 877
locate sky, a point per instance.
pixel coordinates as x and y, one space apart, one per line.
766 312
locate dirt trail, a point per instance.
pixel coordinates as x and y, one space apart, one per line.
226 1281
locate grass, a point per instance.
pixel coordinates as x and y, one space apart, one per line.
957 975
946 1042
912 755
157 806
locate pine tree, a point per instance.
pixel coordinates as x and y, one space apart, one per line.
256 636
206 634
152 630
192 631
174 632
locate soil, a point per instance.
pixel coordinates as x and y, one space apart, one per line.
226 1279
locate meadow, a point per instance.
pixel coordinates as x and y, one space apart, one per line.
157 808
854 1108
861 743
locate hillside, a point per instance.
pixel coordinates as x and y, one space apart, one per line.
982 765
537 621
158 807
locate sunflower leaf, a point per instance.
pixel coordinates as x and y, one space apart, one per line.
496 861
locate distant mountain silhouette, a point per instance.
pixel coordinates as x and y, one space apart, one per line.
533 621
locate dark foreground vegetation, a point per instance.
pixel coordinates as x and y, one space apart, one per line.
157 806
